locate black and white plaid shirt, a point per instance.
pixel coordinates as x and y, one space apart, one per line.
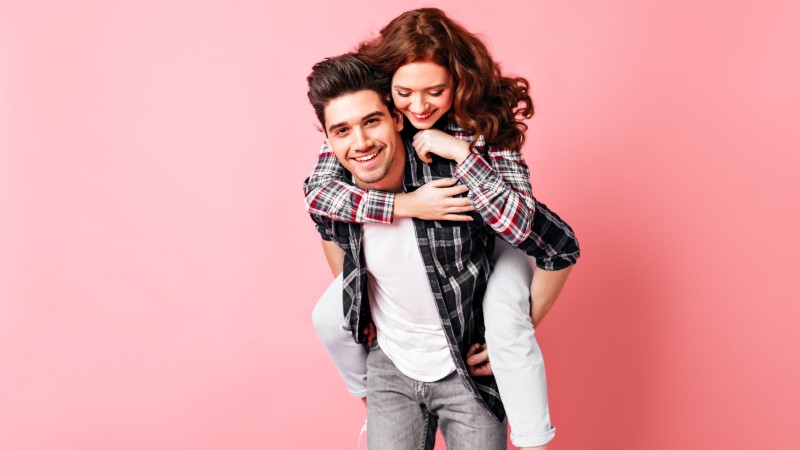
456 259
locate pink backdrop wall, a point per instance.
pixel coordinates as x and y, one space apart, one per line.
157 268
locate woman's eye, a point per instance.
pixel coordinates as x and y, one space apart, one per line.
437 93
402 94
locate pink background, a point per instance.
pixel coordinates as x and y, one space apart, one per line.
157 268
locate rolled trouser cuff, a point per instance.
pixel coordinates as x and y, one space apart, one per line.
533 440
361 393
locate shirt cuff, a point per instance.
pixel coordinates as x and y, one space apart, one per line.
551 264
376 207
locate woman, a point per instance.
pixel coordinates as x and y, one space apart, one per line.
450 91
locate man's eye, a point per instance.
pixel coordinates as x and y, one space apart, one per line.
340 131
402 94
372 121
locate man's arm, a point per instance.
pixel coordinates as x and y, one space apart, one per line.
546 286
335 256
333 253
552 242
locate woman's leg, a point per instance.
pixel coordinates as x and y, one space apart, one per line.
516 360
348 356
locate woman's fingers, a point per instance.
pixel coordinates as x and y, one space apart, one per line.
423 152
455 190
460 209
457 218
458 202
442 182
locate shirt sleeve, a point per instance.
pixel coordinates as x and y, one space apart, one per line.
330 193
551 242
324 226
500 190
502 193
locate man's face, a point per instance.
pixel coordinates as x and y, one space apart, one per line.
365 137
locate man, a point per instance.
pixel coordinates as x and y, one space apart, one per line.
426 278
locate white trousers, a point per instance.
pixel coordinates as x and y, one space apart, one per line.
516 359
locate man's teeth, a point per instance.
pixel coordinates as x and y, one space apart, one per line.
366 158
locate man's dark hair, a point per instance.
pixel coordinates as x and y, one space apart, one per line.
341 75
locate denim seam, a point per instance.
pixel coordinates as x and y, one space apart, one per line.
425 430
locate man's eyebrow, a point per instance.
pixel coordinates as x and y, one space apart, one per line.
438 86
373 114
368 116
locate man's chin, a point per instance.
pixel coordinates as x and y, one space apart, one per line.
371 177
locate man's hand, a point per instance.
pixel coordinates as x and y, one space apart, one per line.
478 364
435 200
439 143
371 333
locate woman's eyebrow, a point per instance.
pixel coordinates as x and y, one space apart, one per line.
438 86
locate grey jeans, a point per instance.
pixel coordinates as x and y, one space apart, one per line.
403 413
517 361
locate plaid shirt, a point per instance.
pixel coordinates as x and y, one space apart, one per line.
456 259
508 211
500 191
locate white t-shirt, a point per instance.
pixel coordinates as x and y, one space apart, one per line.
405 313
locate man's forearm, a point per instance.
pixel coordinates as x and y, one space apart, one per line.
546 286
335 257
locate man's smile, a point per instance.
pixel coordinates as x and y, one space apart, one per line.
368 157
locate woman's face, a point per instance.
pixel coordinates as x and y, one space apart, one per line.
423 92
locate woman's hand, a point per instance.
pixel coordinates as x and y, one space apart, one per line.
435 200
440 143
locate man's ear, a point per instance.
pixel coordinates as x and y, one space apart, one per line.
398 119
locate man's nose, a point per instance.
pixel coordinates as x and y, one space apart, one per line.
362 140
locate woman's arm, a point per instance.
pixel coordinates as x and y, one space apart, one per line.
551 240
501 193
330 193
500 188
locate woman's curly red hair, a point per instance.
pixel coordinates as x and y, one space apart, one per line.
485 102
